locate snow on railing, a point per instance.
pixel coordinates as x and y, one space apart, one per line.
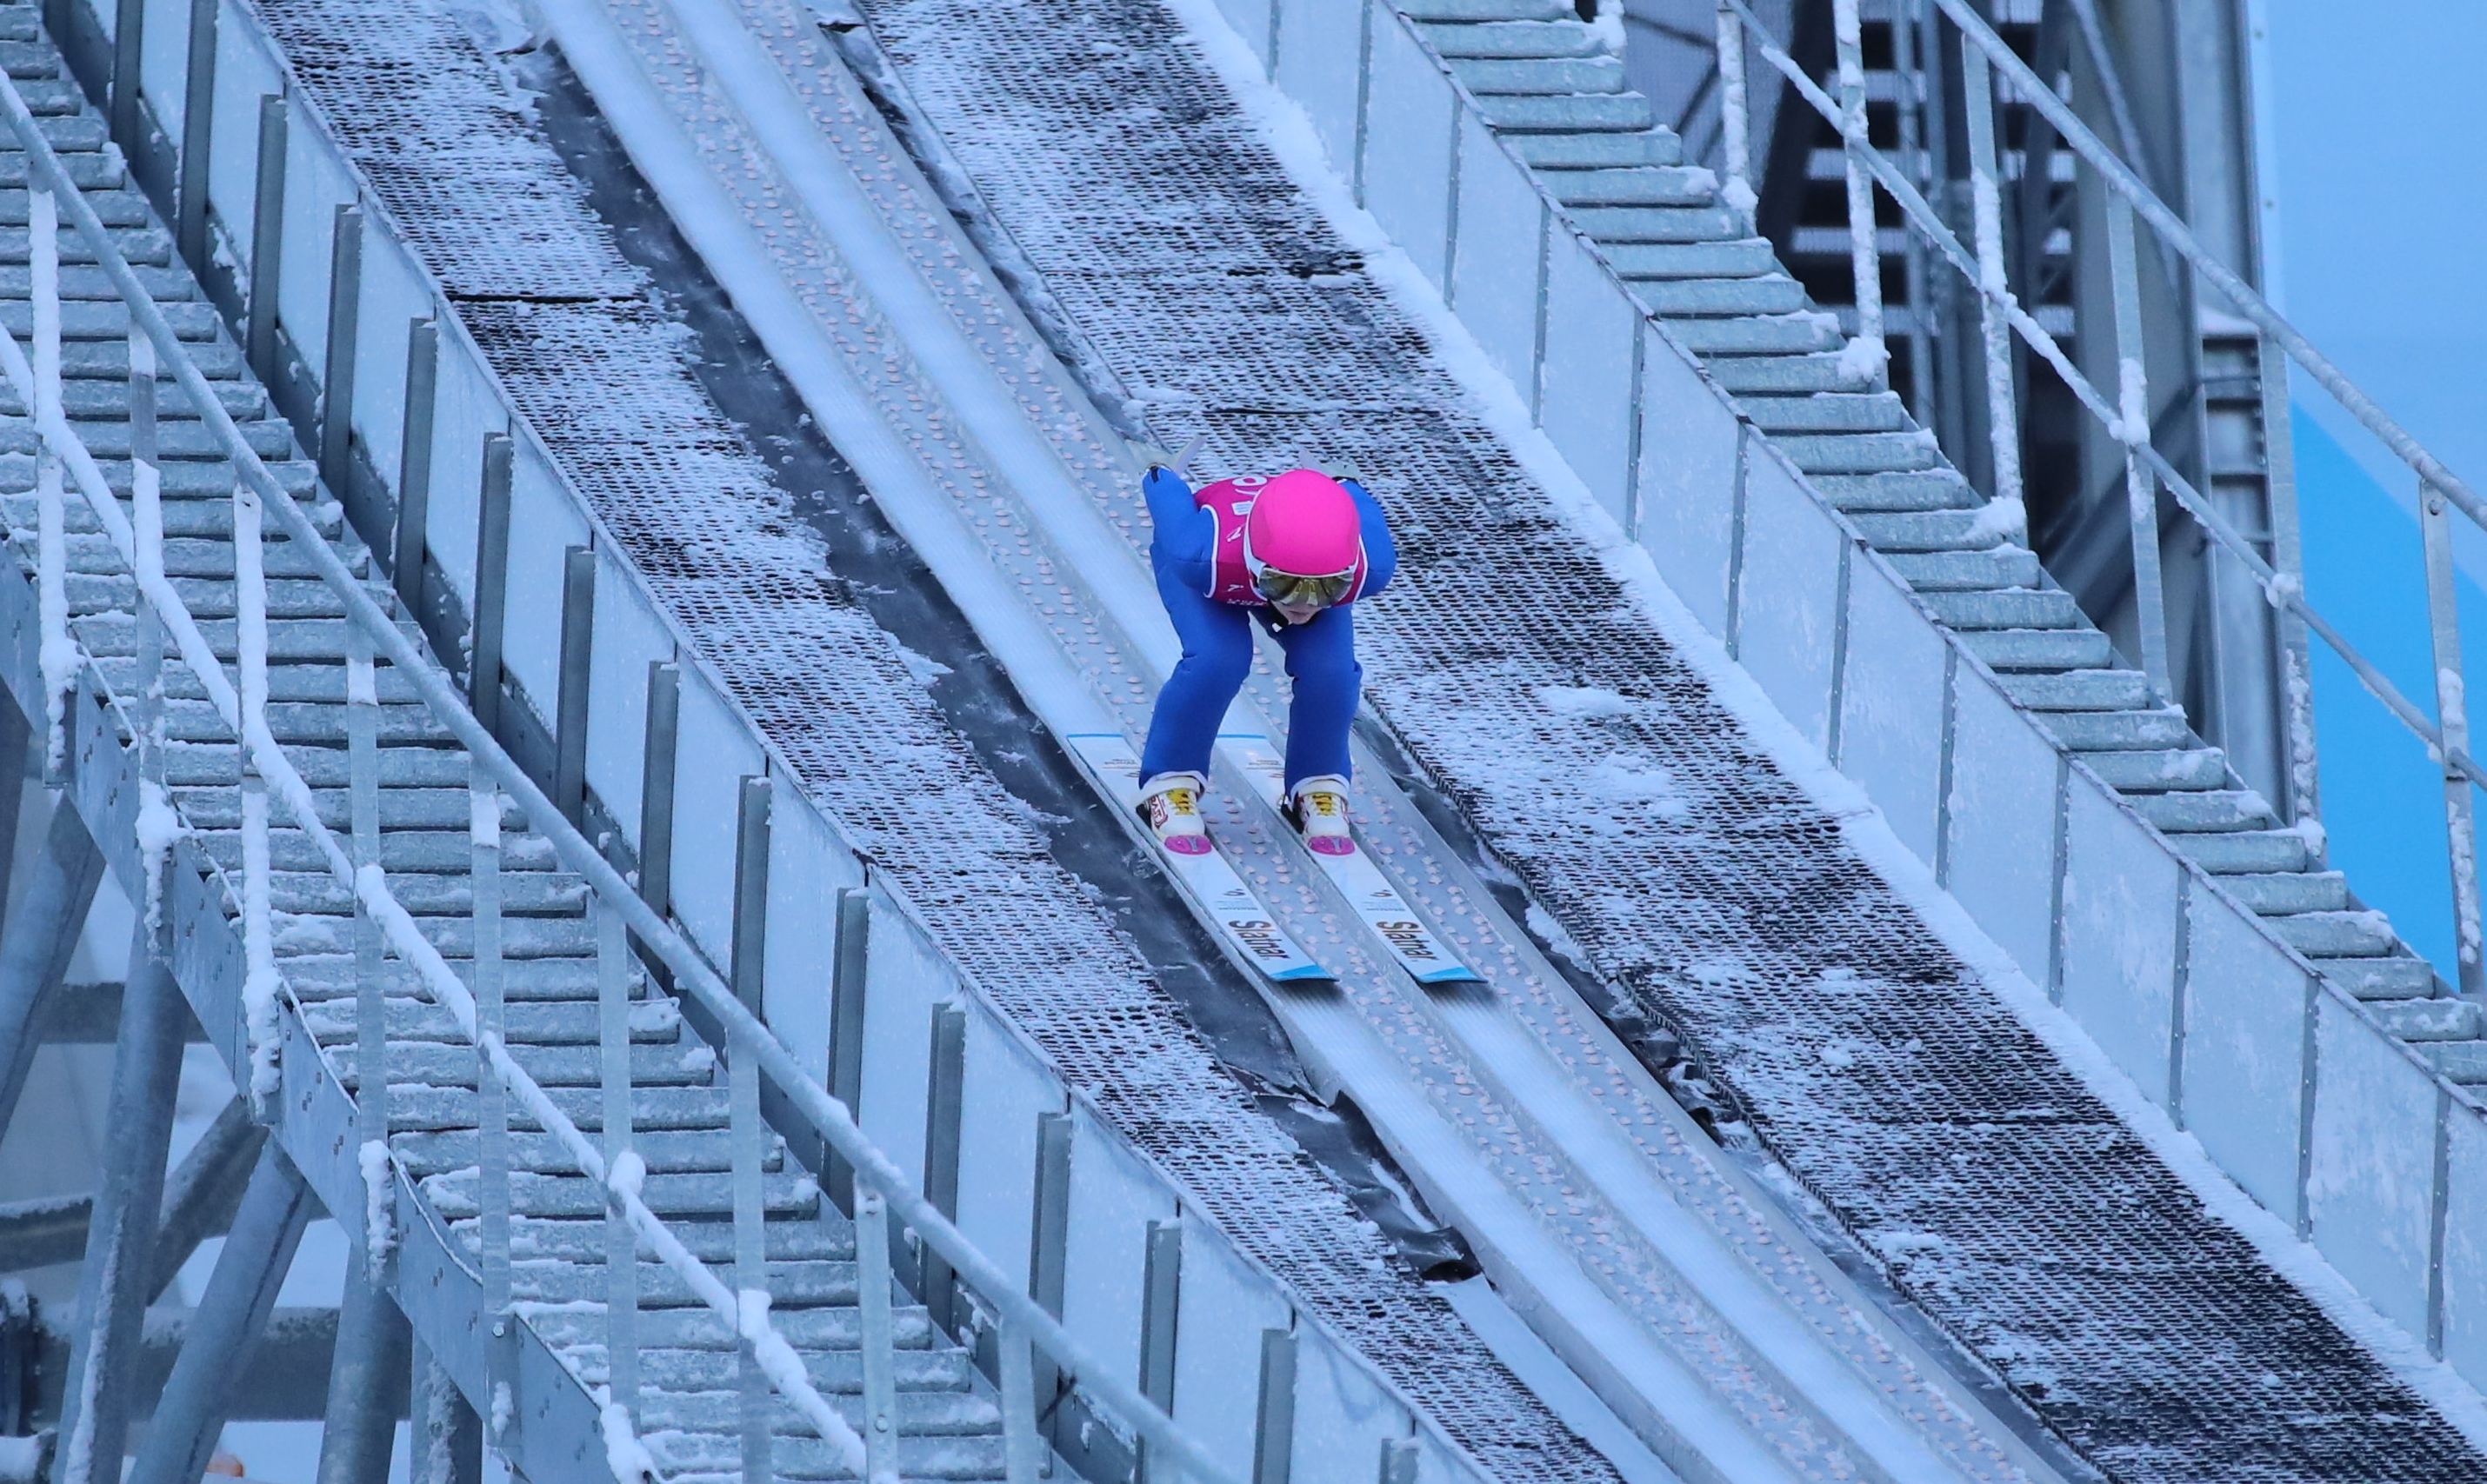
615 1167
1993 74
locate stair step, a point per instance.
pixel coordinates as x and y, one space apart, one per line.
523 894
185 439
1826 413
1644 262
198 721
1859 453
830 1238
67 134
2397 977
2460 1061
2160 772
1495 77
2124 731
2433 1019
80 282
52 96
1512 39
2285 893
118 210
550 1023
670 1196
1540 113
799 1455
1899 490
2004 607
1801 331
668 1152
1682 298
322 685
1611 225
415 1106
205 765
1488 10
137 245
327 976
521 937
2209 810
1963 571
88 320
441 1065
440 853
181 481
220 808
24 60
806 1329
210 597
793 1285
2040 648
835 1372
109 360
1632 185
1781 375
2343 935
1930 530
93 555
1606 147
2076 690
921 1414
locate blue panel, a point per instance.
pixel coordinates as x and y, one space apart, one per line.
1891 702
1689 448
1225 1307
1408 141
2002 850
1005 1088
2245 1049
627 636
1789 618
714 754
905 978
2464 1245
1320 49
1114 1197
806 867
2119 934
545 523
2370 1189
1341 1415
1250 20
1591 326
1494 269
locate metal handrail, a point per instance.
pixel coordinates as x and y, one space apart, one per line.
1025 1322
2125 418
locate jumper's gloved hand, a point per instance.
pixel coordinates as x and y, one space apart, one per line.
1152 457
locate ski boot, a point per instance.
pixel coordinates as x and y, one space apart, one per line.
1170 806
1317 806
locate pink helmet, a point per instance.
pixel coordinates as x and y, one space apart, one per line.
1304 523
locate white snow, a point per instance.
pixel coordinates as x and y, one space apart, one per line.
1862 359
1290 135
159 826
2131 424
1586 702
58 654
380 1217
629 1173
624 1453
21 1460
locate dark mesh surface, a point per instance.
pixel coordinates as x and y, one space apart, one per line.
1999 1192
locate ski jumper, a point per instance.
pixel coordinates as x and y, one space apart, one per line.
1204 578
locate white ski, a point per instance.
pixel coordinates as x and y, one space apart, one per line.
1209 879
1426 958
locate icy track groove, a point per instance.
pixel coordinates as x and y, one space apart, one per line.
1996 1191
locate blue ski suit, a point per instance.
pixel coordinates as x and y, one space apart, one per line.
1217 643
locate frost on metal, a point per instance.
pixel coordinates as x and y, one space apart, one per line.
1993 1187
603 376
379 1190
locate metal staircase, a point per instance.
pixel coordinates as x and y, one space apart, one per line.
1726 296
550 1126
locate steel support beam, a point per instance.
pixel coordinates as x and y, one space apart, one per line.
447 1436
37 942
365 1381
227 1323
16 764
206 1191
112 1287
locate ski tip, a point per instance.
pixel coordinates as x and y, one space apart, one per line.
1308 973
1186 844
1457 973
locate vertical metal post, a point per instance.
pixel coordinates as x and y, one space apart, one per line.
656 787
259 932
751 894
367 1374
215 1351
1909 74
2453 716
445 1436
746 1136
945 1105
621 1241
879 1361
1864 254
112 1290
344 312
1161 1306
267 239
848 972
1986 209
370 992
1273 1431
1398 1461
1050 1234
2133 429
491 583
16 738
57 657
1023 1442
198 135
368 1369
121 107
2288 560
36 943
1735 116
492 1111
414 461
570 725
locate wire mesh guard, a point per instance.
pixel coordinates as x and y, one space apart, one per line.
1997 1192
485 938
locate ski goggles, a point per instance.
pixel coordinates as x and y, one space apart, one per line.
1288 590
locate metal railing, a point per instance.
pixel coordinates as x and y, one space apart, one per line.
267 775
1989 68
